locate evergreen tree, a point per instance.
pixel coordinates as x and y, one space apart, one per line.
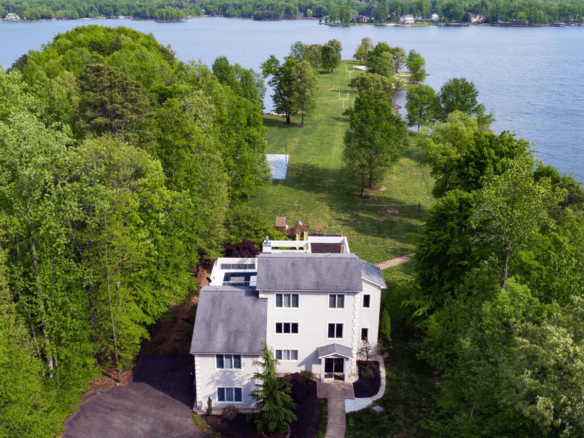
273 397
112 102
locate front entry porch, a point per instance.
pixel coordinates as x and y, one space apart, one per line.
334 362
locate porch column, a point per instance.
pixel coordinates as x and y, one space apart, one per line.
322 369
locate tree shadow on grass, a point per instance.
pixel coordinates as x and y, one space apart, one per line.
381 216
279 123
415 153
344 119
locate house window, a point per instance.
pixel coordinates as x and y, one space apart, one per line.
335 331
228 361
336 301
230 395
287 327
364 334
287 300
366 300
287 354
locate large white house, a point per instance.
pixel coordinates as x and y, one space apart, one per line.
313 301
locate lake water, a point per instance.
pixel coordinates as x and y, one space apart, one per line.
530 77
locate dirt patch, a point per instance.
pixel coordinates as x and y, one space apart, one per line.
367 387
108 380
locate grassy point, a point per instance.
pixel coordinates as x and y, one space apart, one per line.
319 191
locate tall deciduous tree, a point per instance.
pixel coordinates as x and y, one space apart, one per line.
361 52
416 66
547 368
336 44
281 81
304 84
460 95
330 57
374 140
421 105
313 54
297 51
512 207
372 83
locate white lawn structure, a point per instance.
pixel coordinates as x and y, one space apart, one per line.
278 165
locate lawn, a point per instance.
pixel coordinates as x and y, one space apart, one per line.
408 399
320 192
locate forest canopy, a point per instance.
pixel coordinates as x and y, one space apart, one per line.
120 167
541 12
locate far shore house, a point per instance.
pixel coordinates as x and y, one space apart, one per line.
312 300
12 17
406 19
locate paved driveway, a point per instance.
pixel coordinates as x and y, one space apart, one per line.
157 403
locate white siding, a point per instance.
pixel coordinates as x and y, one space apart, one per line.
209 378
313 317
369 317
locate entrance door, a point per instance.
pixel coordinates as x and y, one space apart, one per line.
334 365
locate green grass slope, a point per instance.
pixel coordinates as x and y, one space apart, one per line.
320 192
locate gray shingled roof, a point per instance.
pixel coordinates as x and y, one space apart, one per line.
229 320
309 272
341 350
372 274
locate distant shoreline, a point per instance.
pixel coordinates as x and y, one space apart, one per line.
389 24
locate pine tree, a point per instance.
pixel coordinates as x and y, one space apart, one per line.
273 395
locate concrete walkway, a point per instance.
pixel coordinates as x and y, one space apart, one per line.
336 393
393 262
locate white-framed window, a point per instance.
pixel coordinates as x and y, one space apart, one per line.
367 301
336 301
287 355
232 395
288 300
364 334
287 328
335 330
228 361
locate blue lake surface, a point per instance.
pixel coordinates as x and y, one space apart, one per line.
530 77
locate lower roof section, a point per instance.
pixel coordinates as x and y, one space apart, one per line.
229 320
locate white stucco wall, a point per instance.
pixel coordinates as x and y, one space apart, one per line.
209 378
313 316
369 318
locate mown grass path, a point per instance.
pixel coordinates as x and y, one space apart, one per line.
319 191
